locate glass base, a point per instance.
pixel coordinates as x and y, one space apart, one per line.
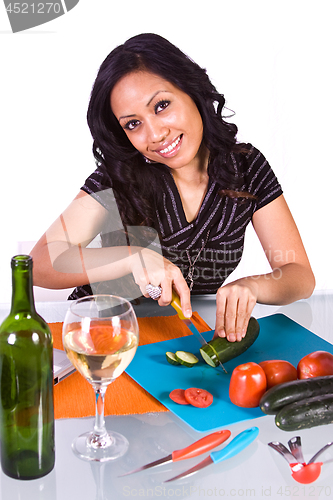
116 447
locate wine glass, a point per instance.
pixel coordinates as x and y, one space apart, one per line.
100 336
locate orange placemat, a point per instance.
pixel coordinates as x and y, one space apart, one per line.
74 396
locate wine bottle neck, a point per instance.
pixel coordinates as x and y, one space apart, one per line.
22 296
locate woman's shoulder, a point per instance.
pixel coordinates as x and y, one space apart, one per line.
99 186
250 159
247 151
259 177
97 181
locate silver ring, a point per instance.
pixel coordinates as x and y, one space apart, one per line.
154 292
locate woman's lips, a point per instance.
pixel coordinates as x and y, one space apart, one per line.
172 149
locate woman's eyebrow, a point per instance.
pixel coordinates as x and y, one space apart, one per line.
156 93
150 100
127 116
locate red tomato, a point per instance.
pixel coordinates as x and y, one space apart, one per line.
315 364
278 371
247 385
178 396
198 397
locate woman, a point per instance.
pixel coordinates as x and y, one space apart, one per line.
167 160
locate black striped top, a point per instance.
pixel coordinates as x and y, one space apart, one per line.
213 243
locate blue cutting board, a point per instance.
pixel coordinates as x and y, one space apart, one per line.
279 338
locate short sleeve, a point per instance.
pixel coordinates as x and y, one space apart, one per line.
97 181
99 186
260 179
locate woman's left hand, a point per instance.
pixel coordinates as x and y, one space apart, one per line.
234 305
291 277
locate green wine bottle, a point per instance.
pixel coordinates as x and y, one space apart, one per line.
26 382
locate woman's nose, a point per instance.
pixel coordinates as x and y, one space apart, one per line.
157 133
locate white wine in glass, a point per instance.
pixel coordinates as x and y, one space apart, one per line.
100 336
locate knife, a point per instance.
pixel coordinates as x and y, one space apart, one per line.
204 444
176 305
238 444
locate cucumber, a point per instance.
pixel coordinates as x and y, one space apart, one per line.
221 350
186 358
310 412
171 357
289 392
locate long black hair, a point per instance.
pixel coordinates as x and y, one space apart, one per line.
136 184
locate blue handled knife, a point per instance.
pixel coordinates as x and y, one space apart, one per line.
238 444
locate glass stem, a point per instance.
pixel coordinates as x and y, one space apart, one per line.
100 438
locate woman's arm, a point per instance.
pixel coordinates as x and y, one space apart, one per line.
291 277
61 259
56 256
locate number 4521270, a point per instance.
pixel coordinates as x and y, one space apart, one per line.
307 491
34 8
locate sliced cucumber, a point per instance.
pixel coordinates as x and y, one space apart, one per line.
221 350
186 358
171 357
210 356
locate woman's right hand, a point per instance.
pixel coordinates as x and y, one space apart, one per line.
149 267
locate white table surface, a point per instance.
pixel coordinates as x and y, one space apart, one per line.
257 472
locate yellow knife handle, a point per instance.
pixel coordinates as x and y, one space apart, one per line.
176 305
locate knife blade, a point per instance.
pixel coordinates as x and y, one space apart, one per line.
204 444
238 444
176 305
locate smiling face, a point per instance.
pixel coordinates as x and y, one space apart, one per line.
161 121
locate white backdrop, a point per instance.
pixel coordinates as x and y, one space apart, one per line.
271 59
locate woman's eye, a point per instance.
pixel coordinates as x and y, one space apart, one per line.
161 105
131 125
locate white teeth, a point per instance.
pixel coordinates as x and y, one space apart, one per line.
171 147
